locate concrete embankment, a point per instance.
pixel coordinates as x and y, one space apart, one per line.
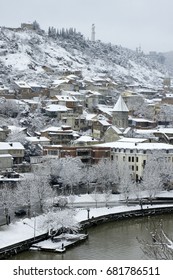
16 248
94 221
8 251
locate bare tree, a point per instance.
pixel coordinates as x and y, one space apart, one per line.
159 246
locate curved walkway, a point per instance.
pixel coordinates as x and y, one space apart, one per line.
86 217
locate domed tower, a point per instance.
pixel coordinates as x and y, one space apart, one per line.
120 114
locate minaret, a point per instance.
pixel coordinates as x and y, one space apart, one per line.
93 33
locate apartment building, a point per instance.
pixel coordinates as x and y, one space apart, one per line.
135 152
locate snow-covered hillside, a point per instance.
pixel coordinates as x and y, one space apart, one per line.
34 56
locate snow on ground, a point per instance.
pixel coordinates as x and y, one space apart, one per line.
27 228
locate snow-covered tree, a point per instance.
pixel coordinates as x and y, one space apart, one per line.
9 108
125 181
134 104
59 221
7 199
26 192
71 173
151 178
165 115
36 25
43 190
106 174
16 136
158 246
89 176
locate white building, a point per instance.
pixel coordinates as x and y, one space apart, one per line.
135 152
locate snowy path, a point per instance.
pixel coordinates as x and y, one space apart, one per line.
27 228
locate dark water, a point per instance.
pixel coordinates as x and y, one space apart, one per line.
114 240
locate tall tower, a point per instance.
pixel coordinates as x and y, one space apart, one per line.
93 33
120 114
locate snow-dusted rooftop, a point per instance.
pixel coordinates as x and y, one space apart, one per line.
85 138
66 98
11 146
166 130
136 146
37 139
56 129
140 120
56 108
22 84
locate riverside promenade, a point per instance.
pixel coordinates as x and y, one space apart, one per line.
19 236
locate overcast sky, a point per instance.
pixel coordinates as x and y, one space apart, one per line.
130 23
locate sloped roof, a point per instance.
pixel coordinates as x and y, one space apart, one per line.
120 106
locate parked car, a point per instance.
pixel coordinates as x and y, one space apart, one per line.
20 212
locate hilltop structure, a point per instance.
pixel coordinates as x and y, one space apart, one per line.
93 33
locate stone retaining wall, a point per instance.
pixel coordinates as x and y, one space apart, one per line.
8 251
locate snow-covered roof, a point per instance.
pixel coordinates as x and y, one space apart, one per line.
166 130
91 93
140 120
89 117
120 105
37 139
3 87
11 146
18 129
66 98
22 84
56 83
56 129
105 109
85 138
132 140
6 156
169 95
136 145
56 108
31 101
115 128
104 122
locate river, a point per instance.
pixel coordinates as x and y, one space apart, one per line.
113 241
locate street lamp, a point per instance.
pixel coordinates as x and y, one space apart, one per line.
88 210
33 227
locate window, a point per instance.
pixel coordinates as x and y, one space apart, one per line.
129 159
136 168
133 168
131 151
124 158
112 157
132 159
136 159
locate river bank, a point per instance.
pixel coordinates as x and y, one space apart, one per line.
27 229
